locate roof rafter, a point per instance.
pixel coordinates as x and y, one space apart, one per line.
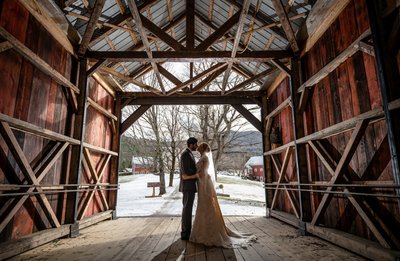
189 56
283 17
136 16
243 13
91 26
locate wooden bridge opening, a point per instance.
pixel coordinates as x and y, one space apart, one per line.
324 72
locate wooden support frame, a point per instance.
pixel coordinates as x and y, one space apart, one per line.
243 14
248 116
96 177
205 73
188 56
137 17
280 10
30 176
190 24
217 34
91 26
133 117
203 84
332 65
252 79
129 79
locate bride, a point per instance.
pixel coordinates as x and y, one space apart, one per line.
209 227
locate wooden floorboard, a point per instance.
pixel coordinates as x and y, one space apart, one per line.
158 238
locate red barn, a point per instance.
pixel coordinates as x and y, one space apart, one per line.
254 168
141 165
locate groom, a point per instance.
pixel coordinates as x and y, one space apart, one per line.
187 187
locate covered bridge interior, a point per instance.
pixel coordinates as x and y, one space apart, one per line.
324 72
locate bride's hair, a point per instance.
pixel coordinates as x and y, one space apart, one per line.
203 147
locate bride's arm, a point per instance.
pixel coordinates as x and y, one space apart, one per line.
187 177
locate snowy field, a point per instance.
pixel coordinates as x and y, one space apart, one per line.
245 197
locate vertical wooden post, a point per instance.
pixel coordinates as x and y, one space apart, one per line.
79 133
300 150
266 128
388 74
115 159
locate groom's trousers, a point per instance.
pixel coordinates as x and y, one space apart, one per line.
188 199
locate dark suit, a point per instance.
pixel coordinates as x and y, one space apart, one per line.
188 188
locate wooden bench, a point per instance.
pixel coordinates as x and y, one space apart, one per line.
153 185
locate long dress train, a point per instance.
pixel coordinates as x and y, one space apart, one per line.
209 227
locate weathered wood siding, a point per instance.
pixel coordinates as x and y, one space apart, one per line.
348 91
28 94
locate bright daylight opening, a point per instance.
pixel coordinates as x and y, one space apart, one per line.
150 153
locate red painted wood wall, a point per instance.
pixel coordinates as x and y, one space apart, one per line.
26 93
348 91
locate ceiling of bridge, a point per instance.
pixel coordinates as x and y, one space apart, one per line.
225 41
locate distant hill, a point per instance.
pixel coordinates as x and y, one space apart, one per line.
245 142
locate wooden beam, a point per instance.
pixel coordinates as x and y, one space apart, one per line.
281 66
207 80
342 164
51 22
188 56
190 31
160 33
99 150
205 73
4 46
26 169
106 86
193 100
251 80
282 173
279 108
243 14
91 25
287 27
36 130
96 66
133 117
129 79
218 33
320 18
100 109
333 64
137 17
36 60
248 116
168 75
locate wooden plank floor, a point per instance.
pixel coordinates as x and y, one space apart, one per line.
157 238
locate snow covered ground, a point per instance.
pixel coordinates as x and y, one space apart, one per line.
245 197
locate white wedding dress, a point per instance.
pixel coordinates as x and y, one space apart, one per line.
209 227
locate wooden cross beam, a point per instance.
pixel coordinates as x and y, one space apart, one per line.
207 80
188 56
339 170
133 117
373 220
280 11
160 33
91 26
282 172
248 116
251 80
217 34
42 166
29 174
205 73
137 17
243 13
96 176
